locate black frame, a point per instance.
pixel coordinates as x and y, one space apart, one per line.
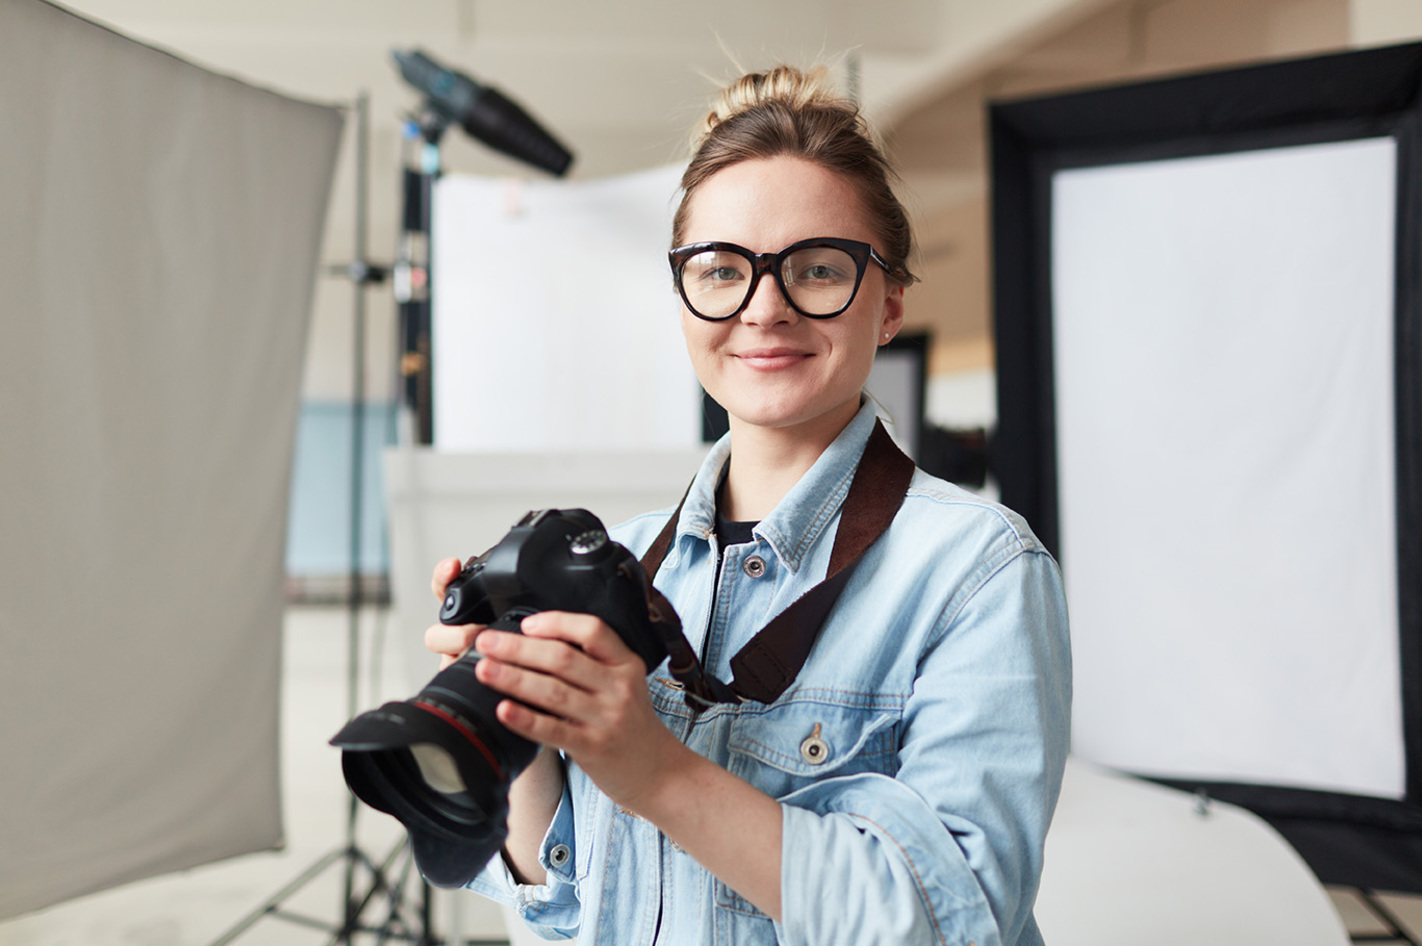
773 263
1346 839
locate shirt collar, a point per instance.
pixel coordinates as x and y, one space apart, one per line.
795 524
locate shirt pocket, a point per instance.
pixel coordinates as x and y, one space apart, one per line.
784 747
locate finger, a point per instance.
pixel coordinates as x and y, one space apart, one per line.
593 635
534 725
549 694
446 571
550 657
585 725
451 640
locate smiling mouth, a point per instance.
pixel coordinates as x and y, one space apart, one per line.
771 359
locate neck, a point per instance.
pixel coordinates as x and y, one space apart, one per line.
767 462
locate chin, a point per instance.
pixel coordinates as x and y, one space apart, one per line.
784 415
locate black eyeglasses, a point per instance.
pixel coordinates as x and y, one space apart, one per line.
819 277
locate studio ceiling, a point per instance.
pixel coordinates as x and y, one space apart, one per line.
619 81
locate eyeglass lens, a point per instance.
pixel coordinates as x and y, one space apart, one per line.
819 280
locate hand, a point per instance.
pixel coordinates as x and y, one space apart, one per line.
580 689
450 642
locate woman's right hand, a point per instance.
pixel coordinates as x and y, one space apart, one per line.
450 643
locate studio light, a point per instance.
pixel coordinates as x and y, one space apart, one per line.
483 112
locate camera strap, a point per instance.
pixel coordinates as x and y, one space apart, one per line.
771 661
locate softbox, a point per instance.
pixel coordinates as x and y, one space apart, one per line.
1209 341
157 260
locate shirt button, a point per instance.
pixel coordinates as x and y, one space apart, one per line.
754 566
815 750
559 855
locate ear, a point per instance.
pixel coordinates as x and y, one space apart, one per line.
893 313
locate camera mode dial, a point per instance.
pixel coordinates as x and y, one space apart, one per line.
586 543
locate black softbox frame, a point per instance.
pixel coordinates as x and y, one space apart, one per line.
1350 840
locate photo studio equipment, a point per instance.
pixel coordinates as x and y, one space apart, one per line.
486 115
371 885
441 763
150 414
368 885
1209 346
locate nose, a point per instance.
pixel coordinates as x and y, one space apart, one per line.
767 305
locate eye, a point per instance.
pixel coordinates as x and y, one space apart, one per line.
819 272
720 274
714 270
820 267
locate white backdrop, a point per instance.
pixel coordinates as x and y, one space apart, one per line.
1286 670
555 324
159 228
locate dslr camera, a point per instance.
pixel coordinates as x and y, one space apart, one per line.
440 762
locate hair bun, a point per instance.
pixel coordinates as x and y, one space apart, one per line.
798 113
792 87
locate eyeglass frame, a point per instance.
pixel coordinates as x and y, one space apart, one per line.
761 263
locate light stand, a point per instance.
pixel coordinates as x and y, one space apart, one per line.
397 924
486 115
411 276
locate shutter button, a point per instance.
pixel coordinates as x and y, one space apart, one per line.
754 566
815 750
559 855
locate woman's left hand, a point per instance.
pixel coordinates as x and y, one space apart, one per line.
586 693
581 689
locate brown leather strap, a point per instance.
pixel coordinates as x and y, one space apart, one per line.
769 663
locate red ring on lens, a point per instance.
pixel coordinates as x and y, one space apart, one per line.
464 731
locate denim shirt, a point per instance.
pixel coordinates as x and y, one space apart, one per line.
917 757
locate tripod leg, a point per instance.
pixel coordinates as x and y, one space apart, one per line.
271 905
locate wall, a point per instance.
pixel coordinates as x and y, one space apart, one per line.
942 144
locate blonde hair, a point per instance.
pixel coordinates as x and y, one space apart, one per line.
791 112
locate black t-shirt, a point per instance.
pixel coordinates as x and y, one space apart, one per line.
729 532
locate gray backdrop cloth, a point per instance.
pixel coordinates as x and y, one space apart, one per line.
159 232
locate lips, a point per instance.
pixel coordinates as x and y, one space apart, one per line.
772 359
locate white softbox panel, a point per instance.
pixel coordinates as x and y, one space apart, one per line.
1209 342
555 325
157 255
1223 344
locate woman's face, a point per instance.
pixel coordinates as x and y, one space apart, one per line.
770 366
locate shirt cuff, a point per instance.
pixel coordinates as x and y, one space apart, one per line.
551 909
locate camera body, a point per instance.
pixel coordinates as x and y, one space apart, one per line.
559 560
441 762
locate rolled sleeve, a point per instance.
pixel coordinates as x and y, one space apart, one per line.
552 909
863 862
949 850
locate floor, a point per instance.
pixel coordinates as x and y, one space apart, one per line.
209 905
204 905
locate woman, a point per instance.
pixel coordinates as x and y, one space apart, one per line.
900 788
